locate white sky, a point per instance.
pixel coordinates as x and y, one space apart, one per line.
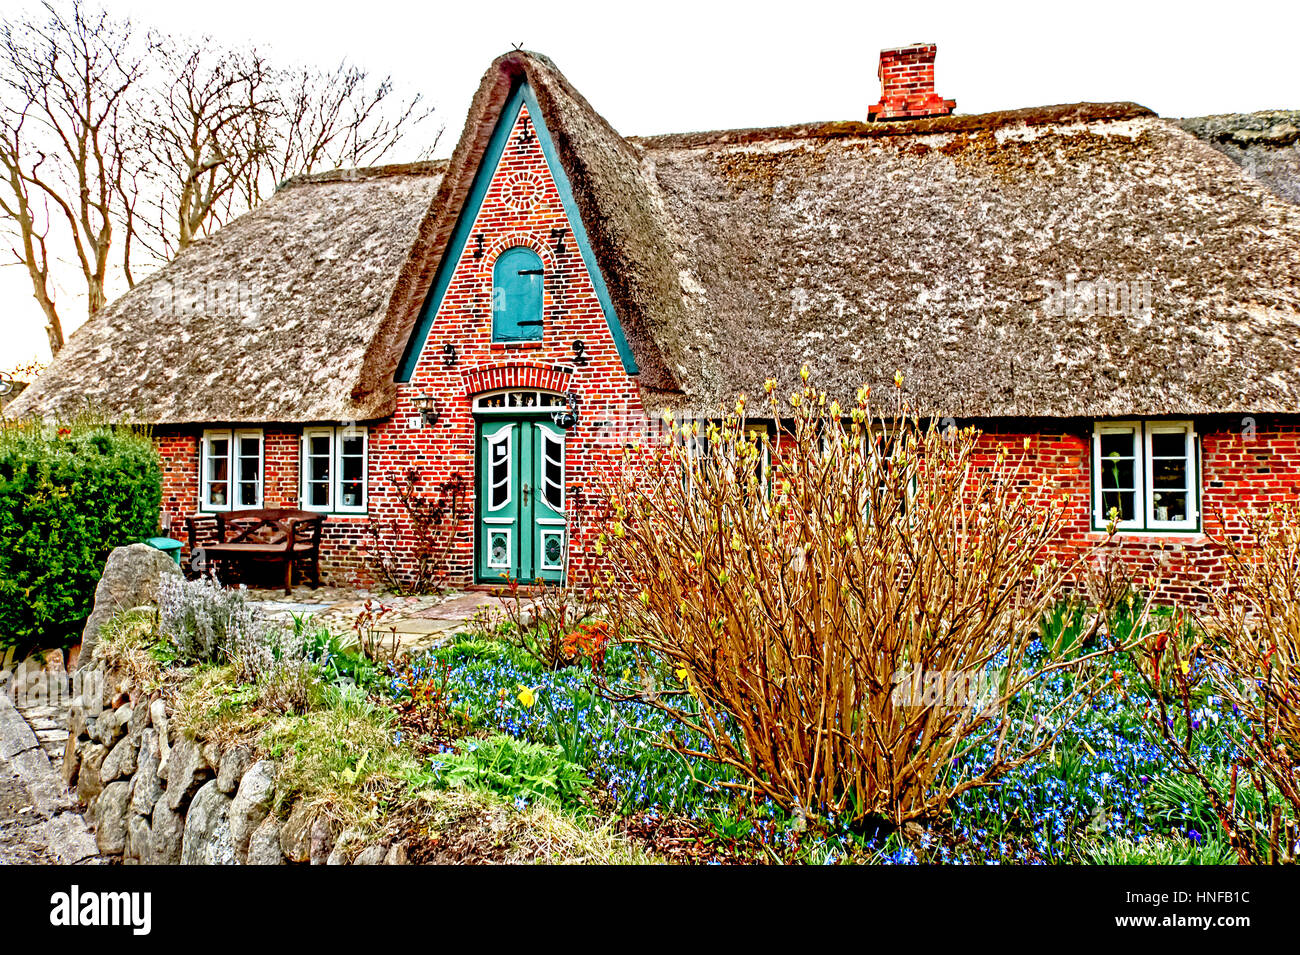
681 65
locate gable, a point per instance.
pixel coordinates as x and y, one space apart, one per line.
521 117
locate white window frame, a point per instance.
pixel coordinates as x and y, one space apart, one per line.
232 437
334 489
1144 520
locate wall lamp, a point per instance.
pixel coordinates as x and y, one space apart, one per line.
427 405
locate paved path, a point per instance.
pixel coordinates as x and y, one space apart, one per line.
418 622
39 819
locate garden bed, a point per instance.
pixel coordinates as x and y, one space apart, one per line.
477 752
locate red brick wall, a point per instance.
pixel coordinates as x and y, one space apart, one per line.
521 207
1245 465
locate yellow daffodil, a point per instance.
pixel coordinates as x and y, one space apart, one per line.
682 673
528 694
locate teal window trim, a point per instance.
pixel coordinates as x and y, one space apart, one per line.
520 96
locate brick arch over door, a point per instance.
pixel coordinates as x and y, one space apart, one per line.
517 375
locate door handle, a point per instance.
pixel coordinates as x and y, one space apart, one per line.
525 492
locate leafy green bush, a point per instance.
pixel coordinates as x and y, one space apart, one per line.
517 770
68 495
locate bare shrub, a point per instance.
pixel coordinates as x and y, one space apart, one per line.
788 591
411 553
1244 648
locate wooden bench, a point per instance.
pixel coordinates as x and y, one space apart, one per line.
274 535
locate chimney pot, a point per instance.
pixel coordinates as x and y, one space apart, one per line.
907 85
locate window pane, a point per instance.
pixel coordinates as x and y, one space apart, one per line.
1168 444
248 494
1122 501
1117 473
250 447
1114 443
1169 473
217 494
218 459
249 468
318 494
353 445
1168 506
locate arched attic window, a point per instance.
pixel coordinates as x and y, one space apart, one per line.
517 296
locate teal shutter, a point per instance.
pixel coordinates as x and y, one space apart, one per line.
517 296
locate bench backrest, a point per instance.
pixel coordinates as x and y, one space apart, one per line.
269 525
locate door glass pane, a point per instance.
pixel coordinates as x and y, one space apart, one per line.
499 549
553 470
499 471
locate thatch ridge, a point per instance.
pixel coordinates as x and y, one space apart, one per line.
1265 143
848 129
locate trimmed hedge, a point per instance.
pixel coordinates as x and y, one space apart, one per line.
68 495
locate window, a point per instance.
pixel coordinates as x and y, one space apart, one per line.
334 469
1146 474
518 400
230 470
517 296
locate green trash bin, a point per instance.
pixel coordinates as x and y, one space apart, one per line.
169 545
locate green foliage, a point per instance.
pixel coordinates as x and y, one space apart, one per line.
203 621
516 769
68 496
1159 850
339 665
332 754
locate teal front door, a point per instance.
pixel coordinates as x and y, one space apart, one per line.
520 501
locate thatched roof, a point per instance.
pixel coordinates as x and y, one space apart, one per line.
268 319
1266 144
862 249
859 249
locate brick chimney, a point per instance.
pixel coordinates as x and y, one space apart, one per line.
907 85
